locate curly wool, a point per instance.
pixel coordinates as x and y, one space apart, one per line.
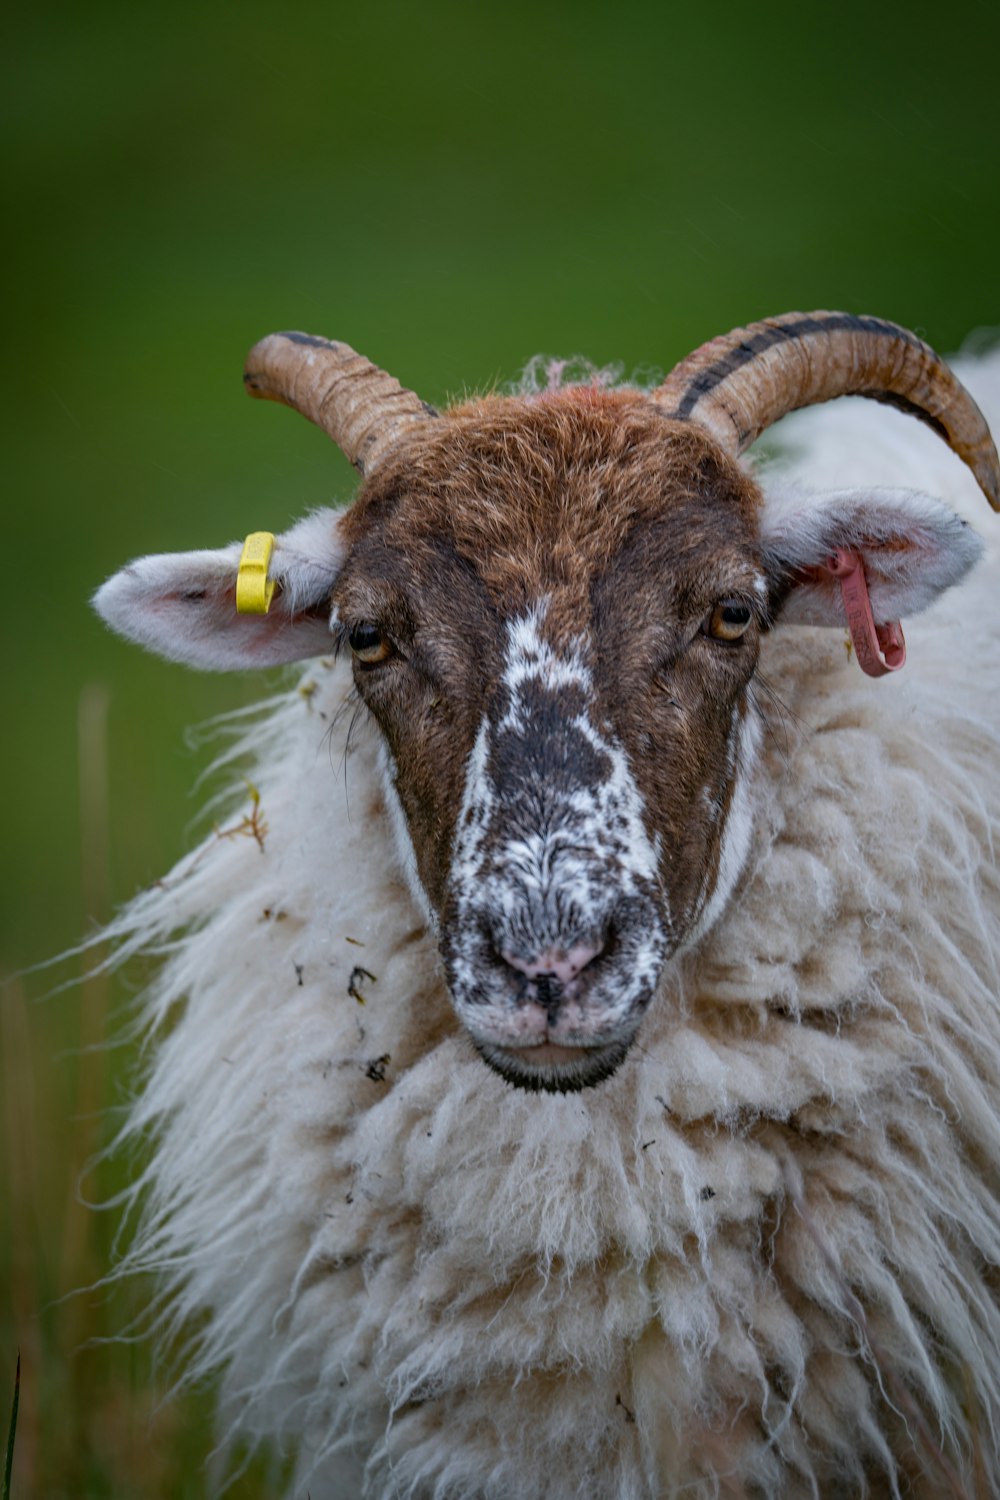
761 1260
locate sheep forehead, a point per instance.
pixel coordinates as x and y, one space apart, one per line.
540 494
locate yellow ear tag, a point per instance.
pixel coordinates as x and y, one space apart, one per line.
254 590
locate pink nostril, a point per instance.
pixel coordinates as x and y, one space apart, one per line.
563 964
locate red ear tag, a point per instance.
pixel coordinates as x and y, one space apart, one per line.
879 648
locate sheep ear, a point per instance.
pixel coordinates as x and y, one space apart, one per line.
912 547
183 604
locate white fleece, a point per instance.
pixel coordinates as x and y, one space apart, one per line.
761 1260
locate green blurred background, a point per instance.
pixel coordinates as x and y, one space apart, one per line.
451 188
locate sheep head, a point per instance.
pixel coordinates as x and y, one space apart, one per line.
554 605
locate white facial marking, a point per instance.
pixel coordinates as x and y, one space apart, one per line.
741 756
551 857
401 834
530 658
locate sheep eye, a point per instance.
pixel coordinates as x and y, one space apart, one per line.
369 644
729 620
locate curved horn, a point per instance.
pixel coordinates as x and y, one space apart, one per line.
362 408
737 385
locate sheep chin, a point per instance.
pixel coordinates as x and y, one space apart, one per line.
567 1075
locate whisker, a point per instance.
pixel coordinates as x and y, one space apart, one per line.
776 714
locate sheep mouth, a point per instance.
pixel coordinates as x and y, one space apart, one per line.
548 1067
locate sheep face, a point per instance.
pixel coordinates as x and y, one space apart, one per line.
554 608
554 605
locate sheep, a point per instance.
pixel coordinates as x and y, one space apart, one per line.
597 1093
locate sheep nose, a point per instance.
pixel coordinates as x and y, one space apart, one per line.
561 964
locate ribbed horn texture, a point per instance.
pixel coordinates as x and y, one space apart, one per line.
737 385
363 409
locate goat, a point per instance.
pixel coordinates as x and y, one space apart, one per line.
721 1213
